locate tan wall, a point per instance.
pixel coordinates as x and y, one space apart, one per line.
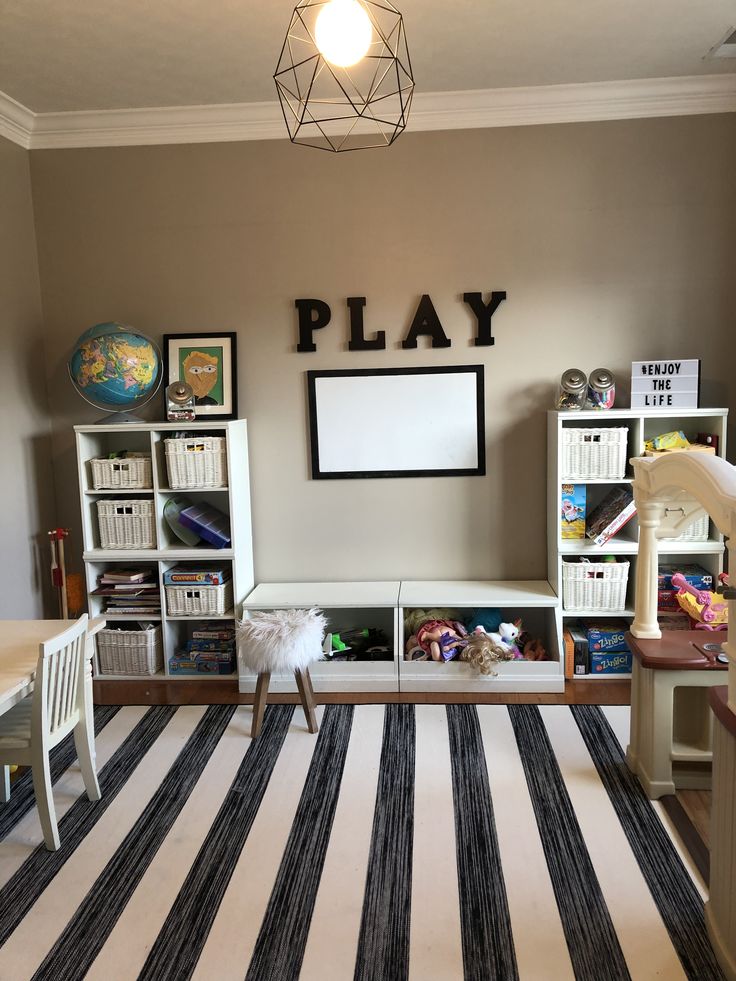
26 488
615 241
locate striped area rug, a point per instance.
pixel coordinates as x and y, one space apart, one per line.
403 843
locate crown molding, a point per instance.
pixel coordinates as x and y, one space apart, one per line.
16 122
474 109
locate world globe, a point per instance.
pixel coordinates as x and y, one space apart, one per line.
115 367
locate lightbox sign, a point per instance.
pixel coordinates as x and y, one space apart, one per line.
665 384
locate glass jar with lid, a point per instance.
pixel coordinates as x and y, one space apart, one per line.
601 389
572 390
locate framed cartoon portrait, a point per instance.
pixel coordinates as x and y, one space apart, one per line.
207 362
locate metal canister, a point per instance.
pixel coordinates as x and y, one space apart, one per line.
601 389
573 385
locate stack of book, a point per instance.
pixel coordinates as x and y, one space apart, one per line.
209 650
129 592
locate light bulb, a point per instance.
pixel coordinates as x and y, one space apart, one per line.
343 32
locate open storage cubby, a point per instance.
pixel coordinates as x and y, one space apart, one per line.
642 425
176 634
347 605
532 601
233 500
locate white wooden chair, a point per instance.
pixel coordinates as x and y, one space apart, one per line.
31 729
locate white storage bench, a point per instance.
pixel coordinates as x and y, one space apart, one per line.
383 605
346 605
532 600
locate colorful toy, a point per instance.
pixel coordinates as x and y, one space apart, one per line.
701 605
442 639
506 637
531 648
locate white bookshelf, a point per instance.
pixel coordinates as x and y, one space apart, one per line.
642 425
233 499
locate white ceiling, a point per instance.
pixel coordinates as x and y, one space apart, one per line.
68 55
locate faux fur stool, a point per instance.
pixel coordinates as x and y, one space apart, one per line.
281 640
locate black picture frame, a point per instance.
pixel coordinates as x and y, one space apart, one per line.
318 472
175 346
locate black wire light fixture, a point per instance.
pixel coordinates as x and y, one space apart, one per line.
344 76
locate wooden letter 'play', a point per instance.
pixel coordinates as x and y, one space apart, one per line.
315 314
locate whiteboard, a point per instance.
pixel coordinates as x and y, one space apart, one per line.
392 422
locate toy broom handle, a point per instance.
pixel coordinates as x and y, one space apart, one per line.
62 570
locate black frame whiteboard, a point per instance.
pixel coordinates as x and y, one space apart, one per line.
397 422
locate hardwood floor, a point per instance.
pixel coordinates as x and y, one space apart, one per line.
697 804
154 691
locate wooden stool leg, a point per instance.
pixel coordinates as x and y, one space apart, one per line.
306 694
259 703
4 784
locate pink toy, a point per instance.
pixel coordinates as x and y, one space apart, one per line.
699 605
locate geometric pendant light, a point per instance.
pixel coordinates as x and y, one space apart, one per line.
344 76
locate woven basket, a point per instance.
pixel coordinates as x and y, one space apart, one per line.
594 454
130 651
126 524
193 598
695 532
594 586
198 461
132 471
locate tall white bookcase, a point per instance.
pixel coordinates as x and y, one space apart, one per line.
233 499
642 425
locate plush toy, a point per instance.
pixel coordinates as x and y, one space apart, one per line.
482 653
488 619
505 638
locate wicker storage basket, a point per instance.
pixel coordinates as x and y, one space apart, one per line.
122 651
197 461
130 471
594 586
590 454
126 524
696 532
194 598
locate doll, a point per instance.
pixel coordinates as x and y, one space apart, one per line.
482 653
531 648
441 639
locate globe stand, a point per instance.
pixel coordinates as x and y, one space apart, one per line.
117 418
117 370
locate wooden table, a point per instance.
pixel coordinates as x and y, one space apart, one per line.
19 644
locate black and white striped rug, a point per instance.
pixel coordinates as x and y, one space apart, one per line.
477 843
